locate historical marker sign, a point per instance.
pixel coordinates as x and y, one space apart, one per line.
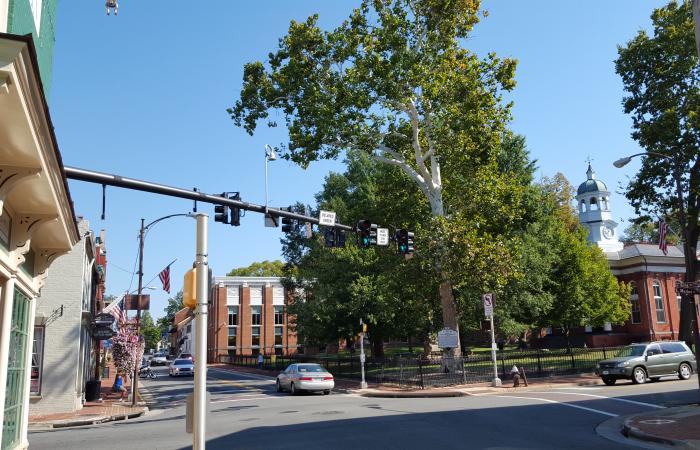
447 338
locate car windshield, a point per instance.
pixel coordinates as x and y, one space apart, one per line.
183 362
631 350
310 368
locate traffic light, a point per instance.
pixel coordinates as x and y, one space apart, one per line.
329 237
286 221
339 238
221 212
235 212
368 233
404 242
189 289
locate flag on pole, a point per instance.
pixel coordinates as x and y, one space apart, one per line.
165 279
118 312
663 231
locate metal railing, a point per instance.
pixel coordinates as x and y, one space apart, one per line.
421 372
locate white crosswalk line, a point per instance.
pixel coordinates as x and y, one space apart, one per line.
546 400
651 405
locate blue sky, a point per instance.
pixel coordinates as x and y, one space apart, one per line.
144 95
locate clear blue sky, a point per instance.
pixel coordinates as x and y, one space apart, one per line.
144 95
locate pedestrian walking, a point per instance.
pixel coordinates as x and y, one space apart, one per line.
260 360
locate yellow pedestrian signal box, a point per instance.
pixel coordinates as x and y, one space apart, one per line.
189 289
364 327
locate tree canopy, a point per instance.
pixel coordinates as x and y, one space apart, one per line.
259 269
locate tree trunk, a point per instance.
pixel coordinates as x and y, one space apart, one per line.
378 348
688 312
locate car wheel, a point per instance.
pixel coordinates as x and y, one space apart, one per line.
639 375
292 389
278 386
609 381
684 371
327 392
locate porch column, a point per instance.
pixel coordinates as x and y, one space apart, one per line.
28 376
8 291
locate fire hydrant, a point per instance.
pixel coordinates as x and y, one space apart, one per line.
516 375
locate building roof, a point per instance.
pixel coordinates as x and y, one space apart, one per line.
591 184
633 250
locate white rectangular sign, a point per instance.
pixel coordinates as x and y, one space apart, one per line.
488 304
382 236
326 218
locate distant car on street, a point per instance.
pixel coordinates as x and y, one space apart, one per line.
639 362
305 377
159 359
181 367
186 356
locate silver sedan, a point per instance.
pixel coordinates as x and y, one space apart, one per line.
305 377
181 367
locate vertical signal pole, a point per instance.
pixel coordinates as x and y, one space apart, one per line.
200 371
363 383
137 363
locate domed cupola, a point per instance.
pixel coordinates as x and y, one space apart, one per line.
593 200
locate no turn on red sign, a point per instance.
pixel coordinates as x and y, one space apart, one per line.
488 304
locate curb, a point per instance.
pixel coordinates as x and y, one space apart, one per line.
86 422
411 394
632 432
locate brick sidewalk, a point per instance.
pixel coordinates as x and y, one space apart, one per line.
677 426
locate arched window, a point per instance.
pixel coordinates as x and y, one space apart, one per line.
605 204
659 302
594 204
582 206
634 301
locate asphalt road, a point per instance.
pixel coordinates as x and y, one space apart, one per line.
246 413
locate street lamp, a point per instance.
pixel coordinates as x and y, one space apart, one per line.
270 155
687 301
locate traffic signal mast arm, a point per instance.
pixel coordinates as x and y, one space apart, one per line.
155 188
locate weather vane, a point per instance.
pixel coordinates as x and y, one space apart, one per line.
589 160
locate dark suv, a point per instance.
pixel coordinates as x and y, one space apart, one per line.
639 362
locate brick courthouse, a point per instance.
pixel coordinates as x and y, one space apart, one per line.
248 316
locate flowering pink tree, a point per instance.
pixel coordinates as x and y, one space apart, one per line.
126 350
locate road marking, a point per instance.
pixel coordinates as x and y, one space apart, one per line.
586 388
259 377
546 400
651 405
245 399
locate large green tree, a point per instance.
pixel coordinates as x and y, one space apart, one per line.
259 269
150 331
661 75
395 82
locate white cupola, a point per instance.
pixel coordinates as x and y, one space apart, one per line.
594 214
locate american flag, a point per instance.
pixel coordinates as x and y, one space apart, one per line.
663 231
165 279
118 313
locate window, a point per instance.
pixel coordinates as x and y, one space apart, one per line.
37 360
279 315
233 315
278 336
189 328
255 312
672 347
659 302
594 204
232 336
256 336
678 299
634 301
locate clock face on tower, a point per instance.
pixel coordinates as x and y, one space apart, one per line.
607 232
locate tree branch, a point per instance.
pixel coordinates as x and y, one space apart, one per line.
417 150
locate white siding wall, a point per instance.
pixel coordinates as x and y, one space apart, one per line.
232 295
256 295
278 295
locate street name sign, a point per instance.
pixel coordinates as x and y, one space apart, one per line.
326 218
382 236
488 304
447 338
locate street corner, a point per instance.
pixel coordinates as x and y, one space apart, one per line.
677 426
81 420
422 393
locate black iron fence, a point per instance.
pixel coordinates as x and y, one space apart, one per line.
421 372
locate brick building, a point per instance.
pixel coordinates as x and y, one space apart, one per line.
248 315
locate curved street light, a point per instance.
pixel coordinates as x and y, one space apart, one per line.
687 301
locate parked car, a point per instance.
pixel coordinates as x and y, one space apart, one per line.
159 359
639 362
181 367
186 356
305 377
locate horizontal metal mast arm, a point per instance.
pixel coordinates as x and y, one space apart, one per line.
91 176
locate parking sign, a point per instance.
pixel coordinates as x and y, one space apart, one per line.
488 304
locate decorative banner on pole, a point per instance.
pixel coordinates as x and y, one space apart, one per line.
134 302
382 236
326 218
488 304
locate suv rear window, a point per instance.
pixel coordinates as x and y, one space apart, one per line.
673 347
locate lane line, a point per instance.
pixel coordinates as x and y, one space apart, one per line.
546 400
244 399
651 405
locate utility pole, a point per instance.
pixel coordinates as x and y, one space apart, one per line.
137 363
200 357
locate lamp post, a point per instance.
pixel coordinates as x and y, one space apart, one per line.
687 301
270 155
142 236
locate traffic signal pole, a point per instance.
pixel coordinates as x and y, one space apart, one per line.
200 356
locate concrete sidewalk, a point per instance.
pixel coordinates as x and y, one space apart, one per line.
676 426
108 410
